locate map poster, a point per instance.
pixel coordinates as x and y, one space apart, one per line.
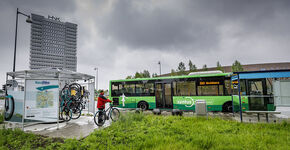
41 100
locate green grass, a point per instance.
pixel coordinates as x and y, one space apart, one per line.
1 117
138 131
17 139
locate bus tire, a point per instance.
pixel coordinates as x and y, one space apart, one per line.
175 112
227 107
143 105
180 113
156 111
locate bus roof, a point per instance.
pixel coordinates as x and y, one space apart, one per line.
175 77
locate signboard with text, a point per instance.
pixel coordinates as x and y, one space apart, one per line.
41 100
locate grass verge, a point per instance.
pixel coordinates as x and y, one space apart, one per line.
138 131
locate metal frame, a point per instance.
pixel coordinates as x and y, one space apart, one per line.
274 74
49 74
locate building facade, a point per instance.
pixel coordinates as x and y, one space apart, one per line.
53 43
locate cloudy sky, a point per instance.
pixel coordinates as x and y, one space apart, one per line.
121 37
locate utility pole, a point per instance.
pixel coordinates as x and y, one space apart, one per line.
96 78
159 67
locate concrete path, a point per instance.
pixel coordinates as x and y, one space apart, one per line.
78 129
285 112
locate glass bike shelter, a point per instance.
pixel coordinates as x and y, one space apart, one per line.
36 94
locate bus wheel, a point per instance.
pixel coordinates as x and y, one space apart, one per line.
156 111
228 107
175 112
143 105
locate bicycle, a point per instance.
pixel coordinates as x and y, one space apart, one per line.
101 115
65 111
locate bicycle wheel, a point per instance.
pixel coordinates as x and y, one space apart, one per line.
100 119
75 91
9 107
76 113
66 114
115 114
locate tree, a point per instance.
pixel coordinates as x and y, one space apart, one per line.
204 67
191 66
146 74
237 66
154 75
138 75
129 77
219 66
181 68
173 72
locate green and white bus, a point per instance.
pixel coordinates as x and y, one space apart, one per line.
176 92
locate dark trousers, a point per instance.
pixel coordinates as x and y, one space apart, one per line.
100 119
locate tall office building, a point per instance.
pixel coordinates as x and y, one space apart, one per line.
53 43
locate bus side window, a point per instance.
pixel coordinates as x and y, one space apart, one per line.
129 89
227 87
191 88
149 89
115 89
208 90
140 89
121 90
184 88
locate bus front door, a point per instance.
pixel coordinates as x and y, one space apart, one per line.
163 94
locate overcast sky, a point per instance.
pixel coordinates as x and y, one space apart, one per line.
121 37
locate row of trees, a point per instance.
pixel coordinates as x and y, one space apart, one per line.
144 74
181 69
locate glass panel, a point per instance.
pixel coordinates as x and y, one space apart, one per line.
191 88
209 90
115 90
149 88
174 89
256 88
140 89
221 90
158 95
243 88
227 87
269 86
121 91
184 88
168 100
257 103
129 89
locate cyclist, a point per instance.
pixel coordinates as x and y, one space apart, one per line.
102 100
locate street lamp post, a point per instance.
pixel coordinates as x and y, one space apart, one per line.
159 67
97 82
28 20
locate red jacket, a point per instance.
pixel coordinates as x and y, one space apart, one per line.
102 101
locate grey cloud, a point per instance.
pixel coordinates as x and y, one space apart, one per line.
192 25
124 36
55 7
158 28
